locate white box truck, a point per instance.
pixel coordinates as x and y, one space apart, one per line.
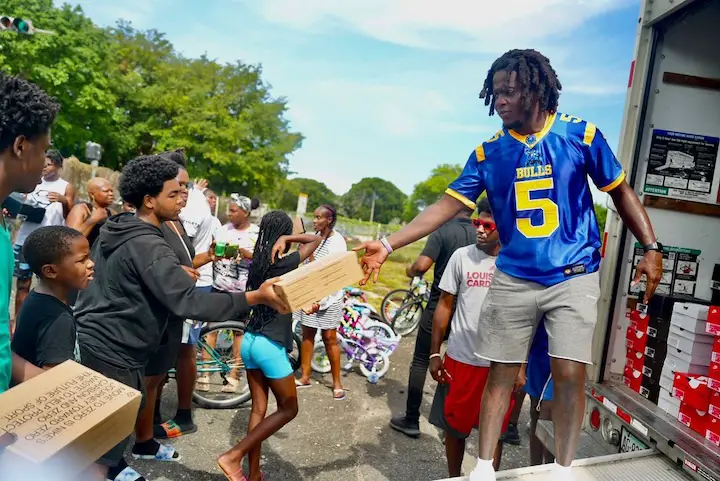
672 113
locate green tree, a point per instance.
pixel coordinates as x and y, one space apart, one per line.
71 66
431 189
285 196
601 214
389 200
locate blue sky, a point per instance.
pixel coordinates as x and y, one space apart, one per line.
390 88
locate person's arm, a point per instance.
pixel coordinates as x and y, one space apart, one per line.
79 219
441 319
449 289
427 257
636 219
459 195
308 244
68 201
171 285
23 370
418 268
608 175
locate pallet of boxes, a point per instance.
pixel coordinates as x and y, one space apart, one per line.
673 360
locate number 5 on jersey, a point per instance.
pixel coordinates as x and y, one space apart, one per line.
524 202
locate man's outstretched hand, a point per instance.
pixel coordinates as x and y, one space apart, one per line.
373 259
652 267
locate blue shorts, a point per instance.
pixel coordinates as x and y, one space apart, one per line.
260 352
539 383
191 329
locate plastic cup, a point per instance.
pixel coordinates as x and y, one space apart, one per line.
220 248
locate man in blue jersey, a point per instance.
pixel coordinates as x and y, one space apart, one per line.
535 173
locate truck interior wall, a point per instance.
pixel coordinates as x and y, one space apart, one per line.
688 45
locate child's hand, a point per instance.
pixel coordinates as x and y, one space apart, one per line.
315 307
268 296
521 379
278 248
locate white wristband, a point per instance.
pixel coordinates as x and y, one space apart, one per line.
387 245
435 355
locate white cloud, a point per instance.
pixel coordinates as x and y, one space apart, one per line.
460 25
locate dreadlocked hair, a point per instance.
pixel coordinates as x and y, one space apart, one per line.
534 74
273 225
333 214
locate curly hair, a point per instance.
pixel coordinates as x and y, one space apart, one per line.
146 175
25 109
56 157
534 74
48 245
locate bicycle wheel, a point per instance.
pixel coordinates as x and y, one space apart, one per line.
393 301
407 318
320 362
218 359
379 360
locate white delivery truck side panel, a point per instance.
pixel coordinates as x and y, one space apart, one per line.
674 37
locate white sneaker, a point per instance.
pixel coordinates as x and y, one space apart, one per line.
561 473
484 471
231 386
203 383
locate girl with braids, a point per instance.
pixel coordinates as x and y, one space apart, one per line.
267 340
327 314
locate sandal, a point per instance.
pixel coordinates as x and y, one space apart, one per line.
128 474
171 429
165 453
339 394
301 385
239 475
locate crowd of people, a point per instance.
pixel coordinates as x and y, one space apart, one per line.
127 294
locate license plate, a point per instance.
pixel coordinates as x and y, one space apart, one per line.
629 442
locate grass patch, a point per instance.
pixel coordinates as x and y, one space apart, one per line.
392 274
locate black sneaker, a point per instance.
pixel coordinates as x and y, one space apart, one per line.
405 426
511 436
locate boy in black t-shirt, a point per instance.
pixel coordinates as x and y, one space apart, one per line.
60 257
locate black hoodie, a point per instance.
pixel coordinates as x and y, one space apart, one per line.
138 286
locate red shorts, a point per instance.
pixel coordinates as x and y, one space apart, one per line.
460 399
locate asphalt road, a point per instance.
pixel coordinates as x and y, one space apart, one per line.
329 440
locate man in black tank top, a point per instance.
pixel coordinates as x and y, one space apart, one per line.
456 233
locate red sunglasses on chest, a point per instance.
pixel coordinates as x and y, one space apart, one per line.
488 226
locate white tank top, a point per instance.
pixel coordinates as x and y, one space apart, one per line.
54 214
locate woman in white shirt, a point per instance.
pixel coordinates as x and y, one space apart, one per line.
231 274
326 315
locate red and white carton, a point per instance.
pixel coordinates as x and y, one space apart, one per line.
635 359
633 379
695 419
692 390
714 376
639 320
716 351
714 408
713 321
636 340
712 431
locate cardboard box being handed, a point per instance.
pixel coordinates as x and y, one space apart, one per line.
311 282
64 419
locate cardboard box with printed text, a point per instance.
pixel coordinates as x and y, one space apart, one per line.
311 282
64 420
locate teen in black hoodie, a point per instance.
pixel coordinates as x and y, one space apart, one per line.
139 285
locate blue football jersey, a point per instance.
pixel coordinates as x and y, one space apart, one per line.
537 186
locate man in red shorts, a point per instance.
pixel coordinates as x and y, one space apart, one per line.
461 374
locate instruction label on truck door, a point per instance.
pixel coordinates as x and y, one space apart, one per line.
680 270
682 166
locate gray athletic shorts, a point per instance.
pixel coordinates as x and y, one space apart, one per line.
513 307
